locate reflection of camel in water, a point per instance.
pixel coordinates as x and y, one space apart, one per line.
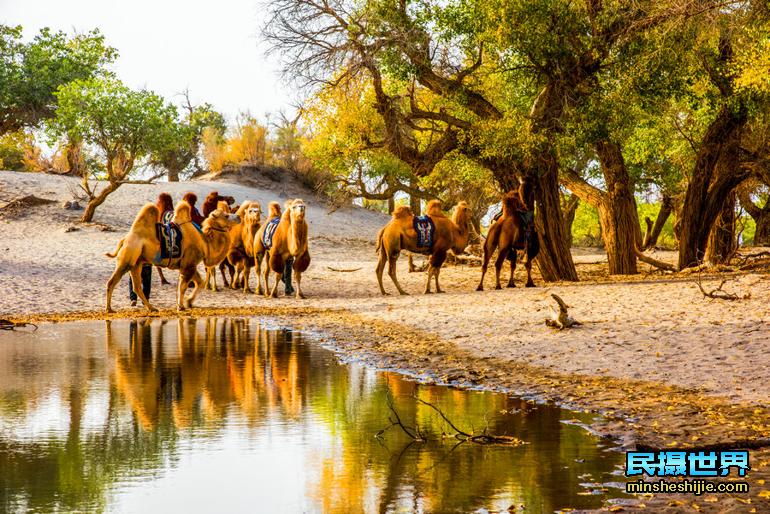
204 372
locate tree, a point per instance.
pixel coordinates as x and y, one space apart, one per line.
180 151
31 73
124 125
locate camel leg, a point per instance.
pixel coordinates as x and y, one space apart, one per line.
392 273
246 274
274 292
258 265
163 280
431 270
435 276
513 269
528 265
298 278
267 276
380 268
136 282
198 281
501 253
484 266
112 282
184 279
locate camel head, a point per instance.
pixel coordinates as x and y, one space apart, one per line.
250 212
527 192
296 210
219 221
462 216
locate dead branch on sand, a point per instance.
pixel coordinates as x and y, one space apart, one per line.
655 263
754 260
718 293
463 436
341 270
561 319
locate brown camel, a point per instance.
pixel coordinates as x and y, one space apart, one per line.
290 240
142 246
400 234
511 233
241 253
210 281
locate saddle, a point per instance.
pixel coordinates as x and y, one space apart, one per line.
425 229
267 235
170 237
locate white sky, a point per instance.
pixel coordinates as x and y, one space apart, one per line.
211 47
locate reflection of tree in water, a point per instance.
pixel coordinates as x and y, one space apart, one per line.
188 378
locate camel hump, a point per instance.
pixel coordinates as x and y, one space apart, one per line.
148 215
182 212
510 202
223 206
273 210
434 208
401 212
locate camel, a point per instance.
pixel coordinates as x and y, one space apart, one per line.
400 234
509 234
142 246
210 281
290 240
241 253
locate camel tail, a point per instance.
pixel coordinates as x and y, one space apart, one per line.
115 252
379 240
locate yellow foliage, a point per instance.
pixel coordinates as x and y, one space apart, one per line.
246 145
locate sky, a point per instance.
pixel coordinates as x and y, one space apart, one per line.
211 47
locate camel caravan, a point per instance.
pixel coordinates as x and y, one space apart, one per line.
237 239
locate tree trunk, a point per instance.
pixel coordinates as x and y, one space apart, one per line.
555 259
722 243
73 153
617 211
569 209
391 205
96 201
653 231
414 201
173 175
715 175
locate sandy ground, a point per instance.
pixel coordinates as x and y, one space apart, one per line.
648 344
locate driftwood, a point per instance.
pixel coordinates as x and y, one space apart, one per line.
719 293
561 319
11 325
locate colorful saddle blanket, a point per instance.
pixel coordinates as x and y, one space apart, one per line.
425 228
170 237
267 235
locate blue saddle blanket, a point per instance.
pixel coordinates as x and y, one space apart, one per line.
170 237
267 235
425 228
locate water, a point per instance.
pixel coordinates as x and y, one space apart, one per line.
225 415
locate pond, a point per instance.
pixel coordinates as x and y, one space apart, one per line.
232 415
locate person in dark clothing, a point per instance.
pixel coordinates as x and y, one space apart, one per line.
197 217
146 284
286 277
166 208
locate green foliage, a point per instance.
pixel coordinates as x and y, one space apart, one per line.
31 73
585 229
125 125
13 147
